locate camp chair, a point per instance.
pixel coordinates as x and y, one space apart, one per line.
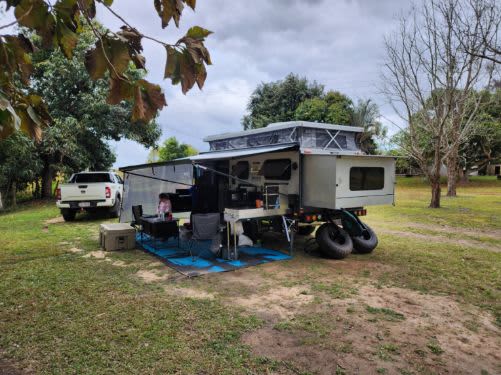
204 227
137 213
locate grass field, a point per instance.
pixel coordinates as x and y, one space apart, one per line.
427 301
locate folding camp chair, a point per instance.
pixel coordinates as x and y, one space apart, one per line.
137 213
205 227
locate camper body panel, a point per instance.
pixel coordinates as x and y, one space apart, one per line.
347 181
364 180
319 181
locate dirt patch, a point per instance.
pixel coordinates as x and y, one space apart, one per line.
150 276
98 254
56 220
283 346
7 368
119 263
391 328
277 303
75 250
156 264
188 293
443 239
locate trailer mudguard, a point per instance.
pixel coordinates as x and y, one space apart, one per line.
352 224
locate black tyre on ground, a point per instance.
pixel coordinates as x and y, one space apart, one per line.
365 243
68 215
333 241
115 210
305 230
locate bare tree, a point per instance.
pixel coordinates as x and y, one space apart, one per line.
485 29
430 80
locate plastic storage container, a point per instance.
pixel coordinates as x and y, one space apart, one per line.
117 237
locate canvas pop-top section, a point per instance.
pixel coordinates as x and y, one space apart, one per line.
305 134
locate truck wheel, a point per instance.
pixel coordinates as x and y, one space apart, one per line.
305 230
333 241
364 244
68 215
115 210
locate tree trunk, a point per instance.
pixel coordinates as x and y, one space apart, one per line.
452 174
36 192
434 177
464 180
435 193
13 192
46 183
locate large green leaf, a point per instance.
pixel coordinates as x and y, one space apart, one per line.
197 32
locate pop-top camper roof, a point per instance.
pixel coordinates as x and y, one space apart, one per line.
305 134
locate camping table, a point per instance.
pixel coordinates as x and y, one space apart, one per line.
231 216
156 227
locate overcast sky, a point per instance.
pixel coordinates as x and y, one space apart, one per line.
338 43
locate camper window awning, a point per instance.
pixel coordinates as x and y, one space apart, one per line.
239 153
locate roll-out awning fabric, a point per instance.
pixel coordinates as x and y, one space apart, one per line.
239 153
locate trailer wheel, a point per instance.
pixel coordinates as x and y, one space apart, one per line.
68 215
333 241
365 243
305 230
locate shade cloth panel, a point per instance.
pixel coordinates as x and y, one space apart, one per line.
139 189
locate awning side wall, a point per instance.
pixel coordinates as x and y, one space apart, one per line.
139 190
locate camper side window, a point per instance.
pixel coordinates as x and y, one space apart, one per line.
241 170
276 169
366 178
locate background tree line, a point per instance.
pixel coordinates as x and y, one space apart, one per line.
295 98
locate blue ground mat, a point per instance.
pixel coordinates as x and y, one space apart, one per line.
180 259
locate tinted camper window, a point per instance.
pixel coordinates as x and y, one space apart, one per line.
241 170
276 169
366 178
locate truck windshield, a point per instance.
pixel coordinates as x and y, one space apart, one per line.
91 177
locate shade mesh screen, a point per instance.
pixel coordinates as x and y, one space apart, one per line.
329 139
139 190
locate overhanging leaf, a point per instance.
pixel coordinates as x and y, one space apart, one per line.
120 89
197 32
169 9
148 100
108 54
95 61
35 14
191 3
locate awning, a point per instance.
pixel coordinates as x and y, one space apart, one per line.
239 153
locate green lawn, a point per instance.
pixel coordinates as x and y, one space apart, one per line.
62 312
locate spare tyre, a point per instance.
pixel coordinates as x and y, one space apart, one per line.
366 242
333 241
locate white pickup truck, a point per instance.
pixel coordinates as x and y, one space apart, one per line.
90 191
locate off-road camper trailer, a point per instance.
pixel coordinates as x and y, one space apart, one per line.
294 175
